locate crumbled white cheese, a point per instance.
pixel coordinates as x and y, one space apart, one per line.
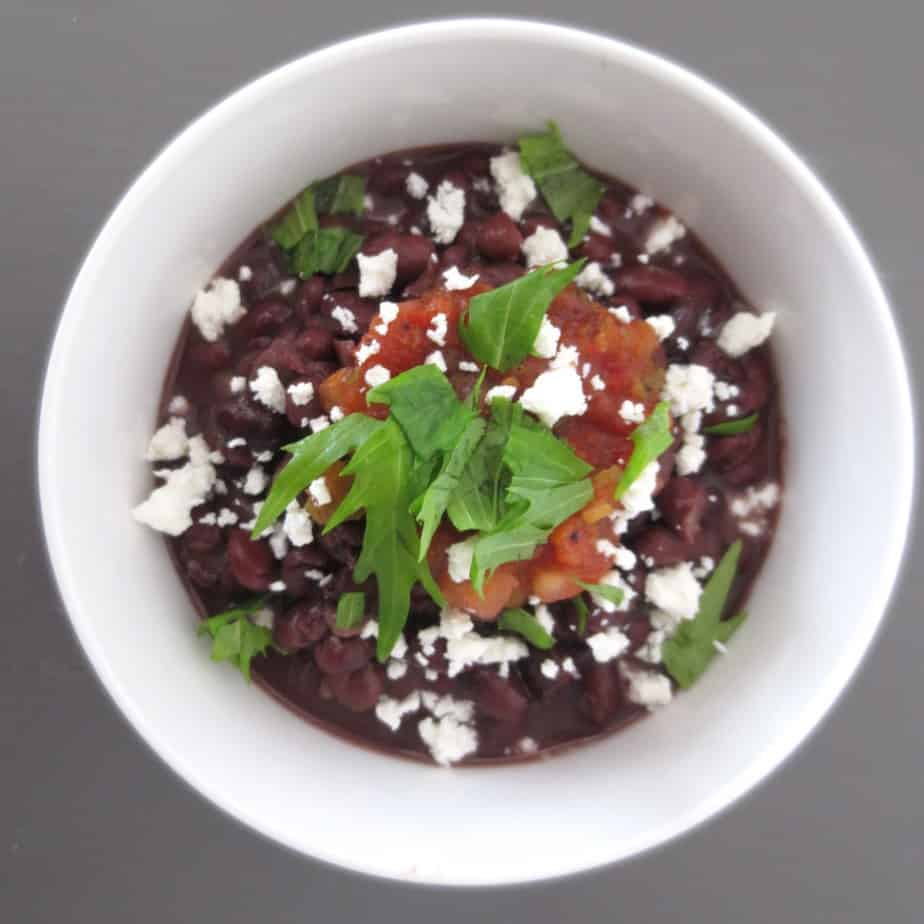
674 590
466 366
744 331
287 286
550 668
301 393
169 442
209 519
169 506
637 498
460 560
621 314
336 413
318 424
515 189
597 383
437 359
593 279
216 307
237 443
392 711
439 327
263 617
662 324
607 548
600 227
705 567
395 669
447 736
544 246
377 273
255 481
446 212
616 260
688 388
226 517
277 587
608 644
245 274
319 492
614 579
754 499
416 185
664 233
569 667
178 405
388 311
278 541
454 281
367 350
646 688
632 412
556 393
377 375
546 343
725 391
545 618
692 454
640 203
297 526
345 318
500 391
268 389
237 384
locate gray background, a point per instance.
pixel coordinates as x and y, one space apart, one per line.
92 827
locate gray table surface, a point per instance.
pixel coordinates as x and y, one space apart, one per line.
92 827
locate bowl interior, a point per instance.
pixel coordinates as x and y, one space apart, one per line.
817 602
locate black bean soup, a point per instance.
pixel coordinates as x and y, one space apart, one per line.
248 377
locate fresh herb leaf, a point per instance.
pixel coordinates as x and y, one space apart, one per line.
515 544
381 472
435 499
688 652
651 438
607 591
299 219
730 427
570 192
424 404
311 457
582 613
351 610
325 250
499 327
525 624
479 496
340 195
235 638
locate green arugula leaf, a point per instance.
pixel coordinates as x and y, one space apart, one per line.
235 638
688 653
351 610
325 250
311 457
478 501
582 614
424 403
525 624
651 438
607 591
435 499
493 549
381 472
297 221
340 195
499 327
730 427
570 192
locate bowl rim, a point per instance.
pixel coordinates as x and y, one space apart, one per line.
448 30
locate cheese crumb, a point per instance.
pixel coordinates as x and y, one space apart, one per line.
688 388
297 526
632 412
367 350
640 203
454 281
597 383
437 359
392 711
416 185
216 307
744 331
608 644
614 579
647 688
319 492
544 246
500 391
377 273
593 279
301 393
662 324
446 212
466 366
621 314
268 389
169 442
515 189
439 327
600 227
237 384
460 560
345 318
377 375
674 590
664 233
550 668
255 481
546 343
317 424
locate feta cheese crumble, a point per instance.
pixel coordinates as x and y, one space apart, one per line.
368 350
237 384
744 331
608 644
646 688
688 388
216 307
621 314
437 359
439 327
255 481
416 185
377 375
664 233
515 189
662 324
544 246
632 412
460 560
377 273
345 318
319 492
593 279
447 735
169 443
392 711
599 226
446 212
614 579
674 590
388 311
546 343
297 526
455 281
467 366
301 393
268 389
500 391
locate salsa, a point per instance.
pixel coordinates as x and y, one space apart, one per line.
650 381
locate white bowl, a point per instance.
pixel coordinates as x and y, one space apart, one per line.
849 463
